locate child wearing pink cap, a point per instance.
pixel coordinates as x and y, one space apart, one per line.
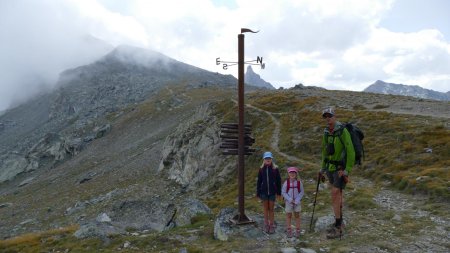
292 192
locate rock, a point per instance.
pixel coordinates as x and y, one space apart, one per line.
288 250
126 244
26 221
323 223
397 217
303 250
103 217
87 177
26 181
190 155
13 164
183 250
51 146
4 205
189 209
102 131
222 225
74 146
80 205
143 214
96 229
89 138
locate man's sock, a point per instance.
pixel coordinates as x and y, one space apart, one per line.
338 222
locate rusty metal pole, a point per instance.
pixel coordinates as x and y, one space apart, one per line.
241 161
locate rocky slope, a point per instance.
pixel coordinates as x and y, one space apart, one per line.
68 119
147 175
406 90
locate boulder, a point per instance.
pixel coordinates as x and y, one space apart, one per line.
224 228
73 146
324 223
143 214
103 217
222 225
13 164
189 209
102 131
97 229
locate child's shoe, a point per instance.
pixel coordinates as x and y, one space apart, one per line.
289 232
267 228
271 229
297 233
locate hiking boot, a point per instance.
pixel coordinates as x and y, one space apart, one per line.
297 233
271 229
335 233
289 233
267 228
333 226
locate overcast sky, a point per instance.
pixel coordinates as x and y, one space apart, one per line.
336 44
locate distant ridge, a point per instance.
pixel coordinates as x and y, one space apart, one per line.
406 90
254 79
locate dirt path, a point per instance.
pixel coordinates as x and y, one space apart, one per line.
397 223
275 139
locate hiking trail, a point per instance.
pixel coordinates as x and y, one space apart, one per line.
275 139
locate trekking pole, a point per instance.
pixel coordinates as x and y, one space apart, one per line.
315 200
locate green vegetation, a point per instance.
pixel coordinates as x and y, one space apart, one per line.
406 152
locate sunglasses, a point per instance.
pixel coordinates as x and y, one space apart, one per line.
327 115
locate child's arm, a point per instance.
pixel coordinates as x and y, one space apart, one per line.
300 195
283 192
258 184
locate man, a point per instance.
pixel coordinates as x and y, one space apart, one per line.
338 158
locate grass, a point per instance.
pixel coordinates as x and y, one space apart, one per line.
32 242
395 153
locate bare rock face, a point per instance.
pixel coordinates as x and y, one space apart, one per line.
49 147
191 155
13 165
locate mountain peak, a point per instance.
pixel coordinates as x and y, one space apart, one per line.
254 79
406 90
136 55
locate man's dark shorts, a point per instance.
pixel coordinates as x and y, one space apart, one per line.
267 197
335 180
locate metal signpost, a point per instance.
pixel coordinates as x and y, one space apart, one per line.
240 144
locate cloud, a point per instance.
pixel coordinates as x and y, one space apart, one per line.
329 43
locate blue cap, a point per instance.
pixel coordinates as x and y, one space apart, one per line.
267 155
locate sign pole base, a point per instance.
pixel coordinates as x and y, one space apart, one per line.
241 220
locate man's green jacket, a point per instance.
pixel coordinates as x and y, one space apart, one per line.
345 156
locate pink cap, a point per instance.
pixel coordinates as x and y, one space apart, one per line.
292 169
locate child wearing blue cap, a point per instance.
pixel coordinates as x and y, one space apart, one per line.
267 187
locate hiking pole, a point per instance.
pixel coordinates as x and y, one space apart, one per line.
315 200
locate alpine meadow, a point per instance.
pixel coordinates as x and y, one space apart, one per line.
124 156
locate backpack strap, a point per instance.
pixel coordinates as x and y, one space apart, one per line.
288 185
